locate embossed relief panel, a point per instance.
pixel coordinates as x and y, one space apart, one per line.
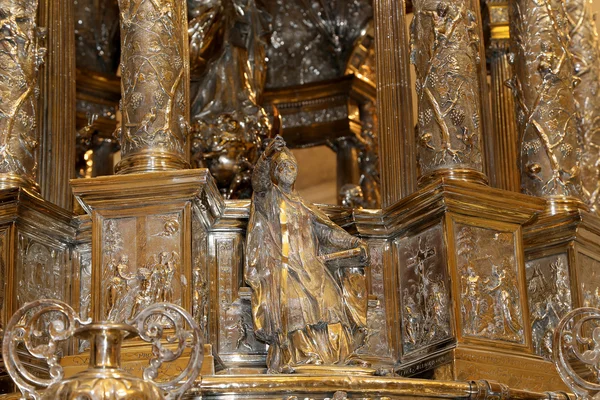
200 277
377 343
141 264
84 256
490 300
589 278
549 293
234 326
43 270
425 306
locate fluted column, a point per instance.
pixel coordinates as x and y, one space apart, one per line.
394 104
154 86
546 113
57 100
445 50
586 57
505 139
20 59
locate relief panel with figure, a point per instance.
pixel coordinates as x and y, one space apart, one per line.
490 301
424 290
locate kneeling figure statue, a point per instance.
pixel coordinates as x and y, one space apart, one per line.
309 294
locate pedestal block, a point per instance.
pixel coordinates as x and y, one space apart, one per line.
462 302
563 270
36 240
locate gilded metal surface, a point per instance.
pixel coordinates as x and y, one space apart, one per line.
424 291
549 294
576 340
228 56
308 312
543 87
583 45
368 156
395 104
312 39
589 270
154 86
445 52
41 326
490 299
21 58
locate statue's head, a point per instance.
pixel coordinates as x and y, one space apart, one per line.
284 168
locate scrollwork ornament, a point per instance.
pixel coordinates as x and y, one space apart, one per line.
164 322
577 338
24 329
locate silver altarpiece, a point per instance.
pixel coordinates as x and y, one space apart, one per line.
150 151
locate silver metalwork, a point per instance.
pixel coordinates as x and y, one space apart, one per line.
585 49
543 88
20 59
308 312
154 86
44 325
577 339
228 55
445 52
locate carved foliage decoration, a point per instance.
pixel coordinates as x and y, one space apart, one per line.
586 58
20 59
154 74
445 53
141 265
549 293
490 302
543 88
424 290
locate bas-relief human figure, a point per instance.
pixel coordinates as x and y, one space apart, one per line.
309 312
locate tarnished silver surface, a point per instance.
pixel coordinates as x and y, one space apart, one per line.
543 87
583 45
228 56
424 291
41 327
312 39
154 85
577 340
20 58
490 300
549 294
445 52
309 312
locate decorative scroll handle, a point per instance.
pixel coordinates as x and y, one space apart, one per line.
577 338
151 326
24 328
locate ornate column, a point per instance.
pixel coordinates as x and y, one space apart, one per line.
506 139
546 112
445 50
561 247
586 58
20 58
394 105
154 86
